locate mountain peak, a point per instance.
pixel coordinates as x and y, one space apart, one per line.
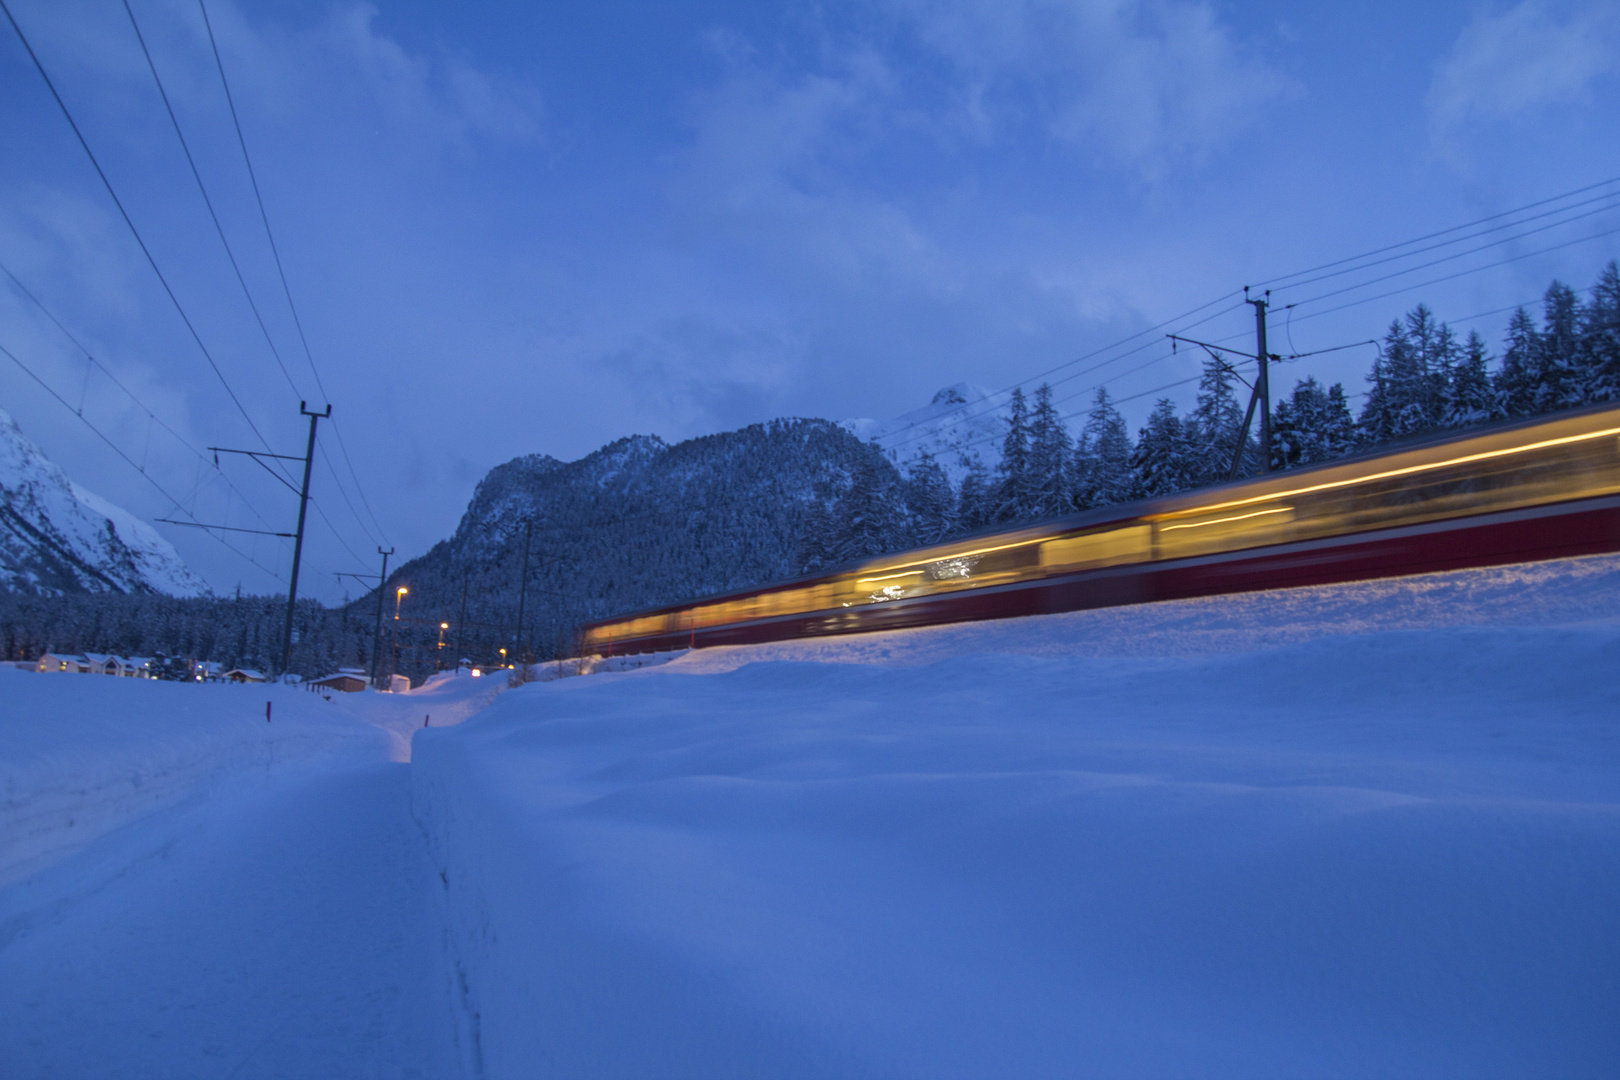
57 537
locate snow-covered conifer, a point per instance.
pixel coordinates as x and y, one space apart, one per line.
1162 462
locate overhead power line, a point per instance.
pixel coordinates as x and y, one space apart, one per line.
104 437
113 377
281 272
151 261
208 202
1276 282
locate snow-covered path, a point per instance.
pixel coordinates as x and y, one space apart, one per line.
290 929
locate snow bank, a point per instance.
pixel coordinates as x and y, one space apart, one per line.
1354 831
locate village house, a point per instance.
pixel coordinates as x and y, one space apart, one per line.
59 662
244 675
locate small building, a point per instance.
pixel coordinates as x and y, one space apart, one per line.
99 663
137 667
244 675
399 684
59 662
348 681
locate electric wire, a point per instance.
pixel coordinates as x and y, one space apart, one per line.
151 415
131 462
1608 198
107 183
1458 274
1273 282
275 252
208 202
1461 254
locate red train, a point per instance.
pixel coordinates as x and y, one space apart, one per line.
1543 489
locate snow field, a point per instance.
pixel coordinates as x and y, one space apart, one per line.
1361 830
198 893
82 755
1357 830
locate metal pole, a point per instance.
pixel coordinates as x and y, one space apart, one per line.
298 541
461 621
523 592
376 639
1262 384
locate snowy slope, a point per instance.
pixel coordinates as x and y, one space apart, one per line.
1367 830
962 424
1389 846
56 537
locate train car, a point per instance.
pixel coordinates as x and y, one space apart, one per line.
1542 489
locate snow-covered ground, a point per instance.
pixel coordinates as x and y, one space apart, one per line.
1348 831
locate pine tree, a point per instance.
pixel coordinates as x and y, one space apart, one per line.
1101 467
930 500
1312 425
1014 496
1162 462
869 517
1213 426
1379 413
1050 494
1559 379
1469 399
975 503
1517 380
1600 338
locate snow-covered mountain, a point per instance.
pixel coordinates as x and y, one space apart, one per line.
56 537
964 422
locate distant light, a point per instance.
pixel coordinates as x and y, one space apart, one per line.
444 626
402 590
477 674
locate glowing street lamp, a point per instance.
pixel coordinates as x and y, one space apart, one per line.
438 662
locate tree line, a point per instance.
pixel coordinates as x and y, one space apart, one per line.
1424 380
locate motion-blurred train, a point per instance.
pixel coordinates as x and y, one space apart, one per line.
1543 489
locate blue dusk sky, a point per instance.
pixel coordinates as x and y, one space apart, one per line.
535 228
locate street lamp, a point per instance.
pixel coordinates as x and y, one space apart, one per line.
503 658
393 646
438 662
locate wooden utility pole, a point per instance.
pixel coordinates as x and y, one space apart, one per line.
298 537
1262 382
376 638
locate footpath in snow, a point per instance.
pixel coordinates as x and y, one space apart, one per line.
1347 831
195 892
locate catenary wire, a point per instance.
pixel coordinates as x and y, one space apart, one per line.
1273 282
275 252
147 409
131 461
175 300
208 202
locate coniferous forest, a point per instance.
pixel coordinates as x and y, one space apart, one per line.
545 545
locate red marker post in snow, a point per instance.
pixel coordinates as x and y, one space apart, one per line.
267 712
426 718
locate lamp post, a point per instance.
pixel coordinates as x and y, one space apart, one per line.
503 658
438 661
393 646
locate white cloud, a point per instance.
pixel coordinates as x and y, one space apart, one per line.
1510 63
448 95
1144 85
